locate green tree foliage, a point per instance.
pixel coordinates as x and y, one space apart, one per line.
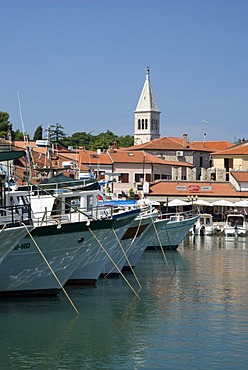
55 133
5 125
125 141
79 139
18 135
38 133
101 141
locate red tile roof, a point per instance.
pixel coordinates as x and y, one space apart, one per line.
239 149
241 176
131 156
215 145
170 143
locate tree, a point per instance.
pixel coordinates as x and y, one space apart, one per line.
55 133
5 125
125 141
79 139
18 135
38 133
103 140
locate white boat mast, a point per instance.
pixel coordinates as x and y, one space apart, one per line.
26 139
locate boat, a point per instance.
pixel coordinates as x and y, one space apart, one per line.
235 225
204 225
169 230
15 222
107 256
128 236
147 219
125 246
65 234
12 229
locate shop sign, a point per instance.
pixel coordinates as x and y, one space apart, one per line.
194 187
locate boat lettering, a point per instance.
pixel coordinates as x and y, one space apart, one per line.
22 246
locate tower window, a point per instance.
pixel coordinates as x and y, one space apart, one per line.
146 124
143 124
139 125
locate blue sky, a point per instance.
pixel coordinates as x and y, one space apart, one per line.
82 63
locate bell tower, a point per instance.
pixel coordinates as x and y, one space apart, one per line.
146 115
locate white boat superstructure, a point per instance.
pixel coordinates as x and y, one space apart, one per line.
235 225
15 223
204 225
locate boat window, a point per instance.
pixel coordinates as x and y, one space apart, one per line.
232 220
72 203
21 200
89 202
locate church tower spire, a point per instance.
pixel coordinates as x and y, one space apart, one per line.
146 115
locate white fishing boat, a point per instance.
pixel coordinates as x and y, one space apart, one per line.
235 225
138 246
169 231
109 244
13 225
125 245
12 229
204 225
67 239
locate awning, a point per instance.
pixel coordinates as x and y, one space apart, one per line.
163 199
177 203
11 154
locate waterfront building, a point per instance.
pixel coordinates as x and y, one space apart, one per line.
231 159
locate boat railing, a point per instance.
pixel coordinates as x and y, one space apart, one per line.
73 214
15 214
176 216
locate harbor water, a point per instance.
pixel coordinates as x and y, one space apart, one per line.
190 313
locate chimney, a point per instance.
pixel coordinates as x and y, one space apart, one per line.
185 140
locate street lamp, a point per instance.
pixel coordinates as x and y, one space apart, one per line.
192 199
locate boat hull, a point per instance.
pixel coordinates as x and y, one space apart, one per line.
232 231
10 237
169 234
24 270
107 248
138 244
125 228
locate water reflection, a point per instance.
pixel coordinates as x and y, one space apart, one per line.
214 242
193 313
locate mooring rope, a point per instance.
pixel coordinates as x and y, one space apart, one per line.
160 244
111 259
168 236
127 259
4 227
